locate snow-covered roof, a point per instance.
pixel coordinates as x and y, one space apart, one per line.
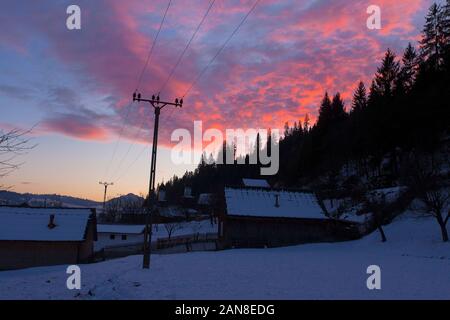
120 228
262 203
31 224
256 183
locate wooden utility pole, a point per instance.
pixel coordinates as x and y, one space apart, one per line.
157 105
106 185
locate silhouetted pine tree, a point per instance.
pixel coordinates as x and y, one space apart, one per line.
338 109
408 71
299 129
446 32
287 130
325 112
432 43
387 74
445 20
359 102
306 124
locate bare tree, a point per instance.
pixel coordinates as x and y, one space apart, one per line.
132 206
113 210
377 205
13 143
171 227
427 179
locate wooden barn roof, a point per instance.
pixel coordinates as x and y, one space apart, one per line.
263 203
32 224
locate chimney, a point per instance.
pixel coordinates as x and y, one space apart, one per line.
277 200
51 224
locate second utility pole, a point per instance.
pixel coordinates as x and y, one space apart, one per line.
106 184
157 106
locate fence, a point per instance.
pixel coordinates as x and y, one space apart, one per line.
177 244
187 243
119 251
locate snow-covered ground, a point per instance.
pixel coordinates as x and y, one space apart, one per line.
414 263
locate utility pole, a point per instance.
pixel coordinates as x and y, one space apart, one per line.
106 185
157 105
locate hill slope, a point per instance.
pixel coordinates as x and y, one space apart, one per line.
414 265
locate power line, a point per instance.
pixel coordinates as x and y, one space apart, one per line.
211 4
199 75
128 107
149 56
153 46
187 45
140 154
135 137
221 48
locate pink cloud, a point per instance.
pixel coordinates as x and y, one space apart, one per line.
276 69
75 127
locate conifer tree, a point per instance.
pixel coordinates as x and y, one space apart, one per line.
445 20
433 39
300 127
373 94
445 17
306 124
325 112
359 102
387 75
408 71
287 130
338 109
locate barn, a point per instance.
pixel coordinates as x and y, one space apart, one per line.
31 237
261 217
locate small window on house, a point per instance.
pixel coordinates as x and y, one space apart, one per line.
124 237
112 236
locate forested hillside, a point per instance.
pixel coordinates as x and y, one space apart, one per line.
400 117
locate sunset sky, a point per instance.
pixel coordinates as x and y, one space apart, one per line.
75 86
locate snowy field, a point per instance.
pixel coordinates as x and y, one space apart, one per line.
414 263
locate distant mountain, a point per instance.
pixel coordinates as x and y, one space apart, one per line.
131 197
55 200
40 200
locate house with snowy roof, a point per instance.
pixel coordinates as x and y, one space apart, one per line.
31 237
117 235
262 217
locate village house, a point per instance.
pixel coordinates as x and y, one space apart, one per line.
31 237
115 235
263 217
